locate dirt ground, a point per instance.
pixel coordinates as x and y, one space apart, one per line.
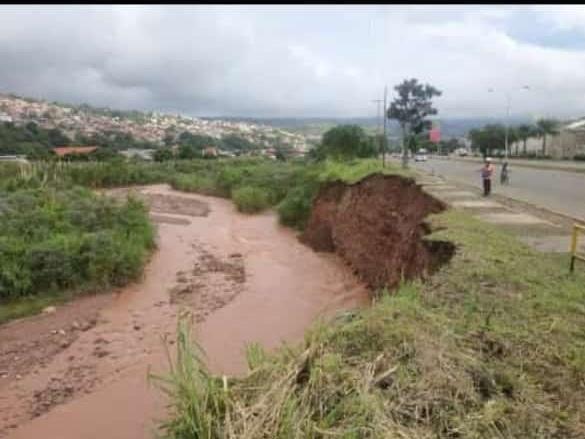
377 226
80 371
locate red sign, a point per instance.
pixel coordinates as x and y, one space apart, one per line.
435 135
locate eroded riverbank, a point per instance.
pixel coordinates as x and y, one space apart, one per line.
245 278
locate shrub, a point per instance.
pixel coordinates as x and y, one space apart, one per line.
251 199
294 210
55 240
579 157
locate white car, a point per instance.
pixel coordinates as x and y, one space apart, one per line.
420 158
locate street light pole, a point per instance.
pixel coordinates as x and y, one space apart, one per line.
507 154
508 104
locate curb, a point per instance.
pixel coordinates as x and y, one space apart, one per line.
533 205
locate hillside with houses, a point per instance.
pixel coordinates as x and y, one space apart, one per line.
148 130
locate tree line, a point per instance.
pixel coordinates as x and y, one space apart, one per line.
492 137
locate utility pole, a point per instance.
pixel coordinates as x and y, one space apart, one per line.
378 101
385 117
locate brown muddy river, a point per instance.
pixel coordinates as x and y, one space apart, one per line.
244 278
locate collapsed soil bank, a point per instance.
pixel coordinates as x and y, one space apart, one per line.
377 226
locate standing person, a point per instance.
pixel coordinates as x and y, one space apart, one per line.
486 174
504 177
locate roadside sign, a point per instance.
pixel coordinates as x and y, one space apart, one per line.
435 133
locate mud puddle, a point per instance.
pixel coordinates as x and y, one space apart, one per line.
245 278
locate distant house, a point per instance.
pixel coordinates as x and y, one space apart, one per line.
210 151
63 151
5 117
13 158
567 144
144 154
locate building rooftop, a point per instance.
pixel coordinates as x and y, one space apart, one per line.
577 125
65 150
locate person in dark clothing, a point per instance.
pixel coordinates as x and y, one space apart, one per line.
504 176
486 174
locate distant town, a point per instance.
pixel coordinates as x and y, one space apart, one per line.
156 128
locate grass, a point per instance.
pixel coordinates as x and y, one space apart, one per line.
492 346
27 306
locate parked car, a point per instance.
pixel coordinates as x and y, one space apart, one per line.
421 155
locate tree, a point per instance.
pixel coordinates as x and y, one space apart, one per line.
237 144
345 142
524 132
380 143
488 138
546 127
411 108
187 152
162 155
57 138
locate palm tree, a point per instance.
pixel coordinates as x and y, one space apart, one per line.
546 127
525 131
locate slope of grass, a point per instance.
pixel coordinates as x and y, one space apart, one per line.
493 346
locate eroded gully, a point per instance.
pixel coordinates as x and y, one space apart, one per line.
245 279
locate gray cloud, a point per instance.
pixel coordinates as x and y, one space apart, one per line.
288 61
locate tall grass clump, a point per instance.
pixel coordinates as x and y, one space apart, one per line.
198 399
201 183
250 199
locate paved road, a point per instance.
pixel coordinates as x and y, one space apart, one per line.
561 191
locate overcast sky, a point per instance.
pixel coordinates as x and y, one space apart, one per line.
283 61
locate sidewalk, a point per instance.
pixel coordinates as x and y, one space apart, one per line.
566 165
543 230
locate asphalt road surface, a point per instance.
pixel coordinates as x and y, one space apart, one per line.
560 191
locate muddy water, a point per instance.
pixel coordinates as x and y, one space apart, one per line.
279 288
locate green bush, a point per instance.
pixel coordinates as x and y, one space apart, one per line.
251 199
294 210
54 240
579 157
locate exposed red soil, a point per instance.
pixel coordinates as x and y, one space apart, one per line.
377 226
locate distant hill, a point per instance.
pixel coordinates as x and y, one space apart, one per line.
450 127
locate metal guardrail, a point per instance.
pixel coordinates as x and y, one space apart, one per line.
577 229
